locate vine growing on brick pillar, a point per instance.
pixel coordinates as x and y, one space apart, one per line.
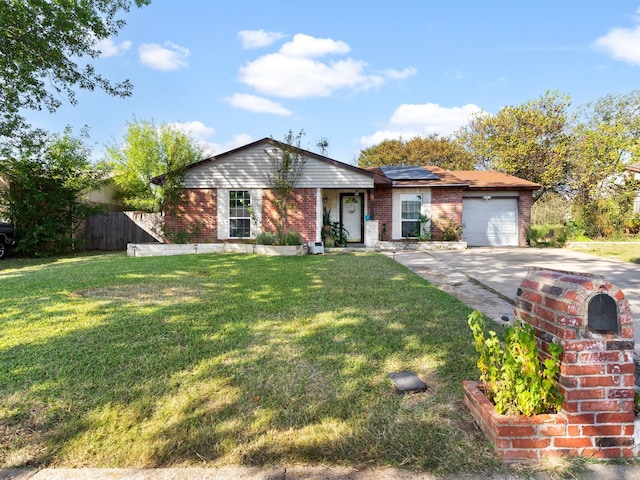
287 164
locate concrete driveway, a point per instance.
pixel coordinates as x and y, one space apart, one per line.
503 269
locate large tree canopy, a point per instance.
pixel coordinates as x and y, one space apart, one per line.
431 150
41 43
530 141
606 139
149 151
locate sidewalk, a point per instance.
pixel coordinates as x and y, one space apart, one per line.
589 472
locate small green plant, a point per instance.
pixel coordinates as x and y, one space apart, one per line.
326 222
266 238
422 231
339 234
451 231
290 238
189 234
514 378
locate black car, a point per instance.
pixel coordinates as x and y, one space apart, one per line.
7 238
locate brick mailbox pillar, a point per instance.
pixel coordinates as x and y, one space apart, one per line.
592 321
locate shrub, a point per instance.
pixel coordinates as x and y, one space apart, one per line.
451 231
290 238
514 378
191 233
266 238
602 218
547 235
632 225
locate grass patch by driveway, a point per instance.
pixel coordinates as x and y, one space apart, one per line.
110 361
623 251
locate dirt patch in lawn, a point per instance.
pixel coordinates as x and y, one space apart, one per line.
147 294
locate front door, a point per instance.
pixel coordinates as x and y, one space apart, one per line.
351 209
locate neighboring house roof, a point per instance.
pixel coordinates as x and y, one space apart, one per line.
274 143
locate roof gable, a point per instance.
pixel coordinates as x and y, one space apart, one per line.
249 167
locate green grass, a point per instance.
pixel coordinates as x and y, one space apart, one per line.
625 252
109 361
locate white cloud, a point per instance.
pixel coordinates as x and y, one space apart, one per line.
165 57
195 129
409 121
258 38
199 132
295 71
257 104
237 141
400 74
622 43
306 46
108 48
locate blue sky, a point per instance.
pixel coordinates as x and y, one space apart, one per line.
351 71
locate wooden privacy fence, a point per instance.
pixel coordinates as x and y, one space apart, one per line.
113 231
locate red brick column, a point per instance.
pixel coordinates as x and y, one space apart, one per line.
597 369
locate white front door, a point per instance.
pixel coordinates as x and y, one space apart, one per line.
351 216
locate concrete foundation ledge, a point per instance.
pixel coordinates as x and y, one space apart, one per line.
422 246
163 249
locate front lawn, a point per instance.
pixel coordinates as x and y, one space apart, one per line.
623 251
208 360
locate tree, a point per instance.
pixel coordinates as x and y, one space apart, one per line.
287 164
531 141
435 150
606 138
149 151
47 177
40 43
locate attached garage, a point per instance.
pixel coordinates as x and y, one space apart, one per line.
490 221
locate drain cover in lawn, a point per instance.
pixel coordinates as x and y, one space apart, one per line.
407 382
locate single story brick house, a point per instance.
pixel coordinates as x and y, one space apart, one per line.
373 204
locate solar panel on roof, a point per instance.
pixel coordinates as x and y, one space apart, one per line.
408 173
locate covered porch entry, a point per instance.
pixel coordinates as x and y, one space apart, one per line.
349 208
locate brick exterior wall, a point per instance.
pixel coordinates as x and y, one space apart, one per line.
446 203
301 218
525 200
383 212
596 374
198 211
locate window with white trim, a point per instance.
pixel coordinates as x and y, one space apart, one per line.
411 207
239 213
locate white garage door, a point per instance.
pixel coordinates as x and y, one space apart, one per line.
490 223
